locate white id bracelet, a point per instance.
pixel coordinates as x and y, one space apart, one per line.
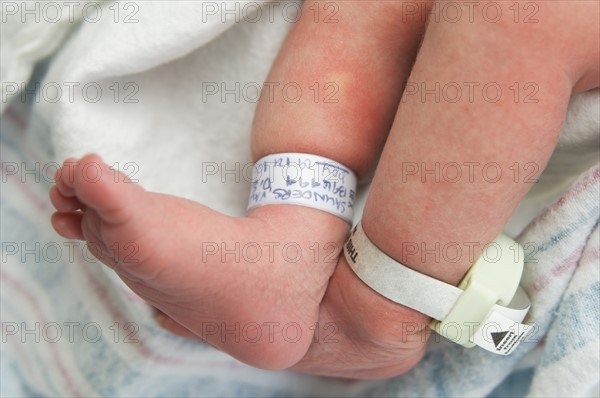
487 309
305 180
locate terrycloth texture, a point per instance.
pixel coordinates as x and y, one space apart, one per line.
31 31
175 129
167 135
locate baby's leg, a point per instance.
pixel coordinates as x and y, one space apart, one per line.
499 137
225 279
351 75
189 262
501 134
359 63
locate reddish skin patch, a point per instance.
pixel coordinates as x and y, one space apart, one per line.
340 57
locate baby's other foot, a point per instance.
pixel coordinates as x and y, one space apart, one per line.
248 286
370 337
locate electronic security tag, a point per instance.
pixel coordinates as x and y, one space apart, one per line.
486 309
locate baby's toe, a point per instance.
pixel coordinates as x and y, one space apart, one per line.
63 203
65 177
105 190
68 225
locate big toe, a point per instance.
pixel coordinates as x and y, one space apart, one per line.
107 191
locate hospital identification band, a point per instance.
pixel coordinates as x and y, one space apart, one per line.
486 309
305 180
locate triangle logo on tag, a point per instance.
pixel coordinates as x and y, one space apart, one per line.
498 337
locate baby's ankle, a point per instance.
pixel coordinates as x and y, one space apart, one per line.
292 221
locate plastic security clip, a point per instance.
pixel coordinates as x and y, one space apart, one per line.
486 309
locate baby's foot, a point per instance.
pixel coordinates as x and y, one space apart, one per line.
372 337
360 333
249 286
